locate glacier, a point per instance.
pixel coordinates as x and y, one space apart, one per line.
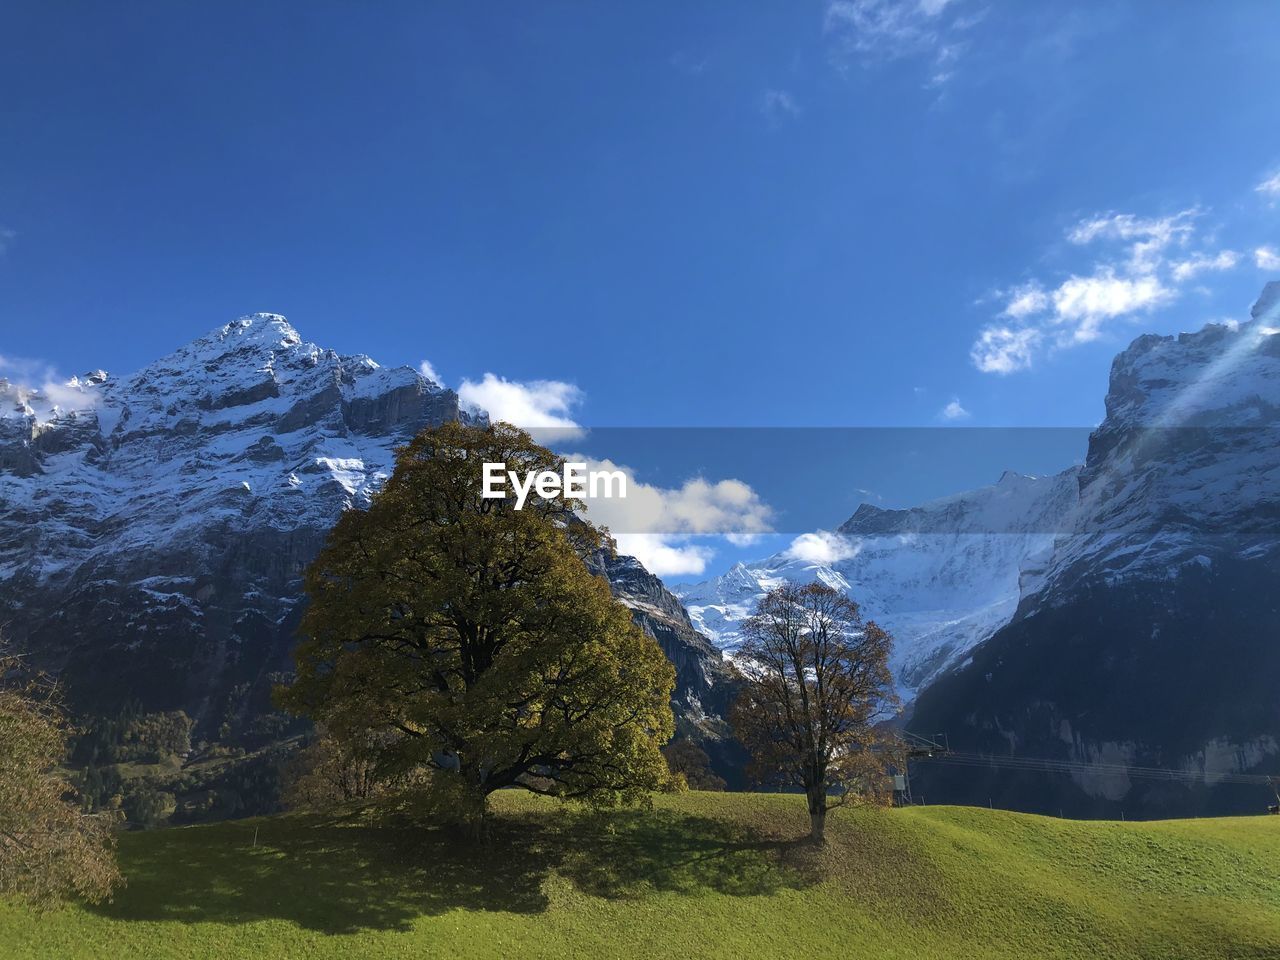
940 577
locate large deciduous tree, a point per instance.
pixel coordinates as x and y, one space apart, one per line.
49 848
467 637
817 687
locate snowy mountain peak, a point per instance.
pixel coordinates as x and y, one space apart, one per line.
266 331
262 326
1224 375
257 336
1016 503
248 426
1184 468
1267 307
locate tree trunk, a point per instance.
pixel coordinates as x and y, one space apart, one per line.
478 821
475 805
817 818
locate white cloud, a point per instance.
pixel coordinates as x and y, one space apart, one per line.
822 547
531 404
687 62
778 105
931 8
68 395
1184 270
1270 187
1142 264
1267 258
1127 226
1026 300
41 391
668 528
1151 237
1002 349
871 31
944 63
883 28
6 239
427 370
696 507
665 556
1083 304
954 411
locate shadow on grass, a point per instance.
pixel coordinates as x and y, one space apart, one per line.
327 876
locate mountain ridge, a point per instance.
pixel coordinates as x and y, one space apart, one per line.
154 527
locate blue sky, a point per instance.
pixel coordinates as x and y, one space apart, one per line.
858 213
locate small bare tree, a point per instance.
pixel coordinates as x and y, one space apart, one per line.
817 688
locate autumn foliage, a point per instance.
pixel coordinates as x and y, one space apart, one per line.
49 848
464 637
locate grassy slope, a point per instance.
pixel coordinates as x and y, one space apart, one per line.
702 875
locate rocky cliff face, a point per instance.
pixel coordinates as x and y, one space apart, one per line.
154 528
1147 637
705 684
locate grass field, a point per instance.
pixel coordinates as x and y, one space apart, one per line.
700 875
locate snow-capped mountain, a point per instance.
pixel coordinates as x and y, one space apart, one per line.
940 577
1149 635
1186 459
154 527
247 428
1122 612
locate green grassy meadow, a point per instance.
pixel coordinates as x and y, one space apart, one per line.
700 875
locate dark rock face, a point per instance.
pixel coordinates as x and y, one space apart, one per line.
1178 674
705 685
154 535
